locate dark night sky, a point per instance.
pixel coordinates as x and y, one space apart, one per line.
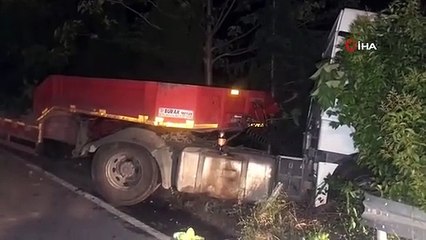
372 5
375 5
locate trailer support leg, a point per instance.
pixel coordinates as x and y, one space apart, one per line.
82 137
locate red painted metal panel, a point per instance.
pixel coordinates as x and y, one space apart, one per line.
209 105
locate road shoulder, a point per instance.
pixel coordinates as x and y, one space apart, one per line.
35 204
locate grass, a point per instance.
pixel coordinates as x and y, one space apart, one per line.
275 219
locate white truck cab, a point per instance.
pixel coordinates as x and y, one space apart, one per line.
324 145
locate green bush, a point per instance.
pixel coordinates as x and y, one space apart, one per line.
382 94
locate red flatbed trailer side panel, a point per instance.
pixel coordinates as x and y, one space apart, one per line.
201 106
10 128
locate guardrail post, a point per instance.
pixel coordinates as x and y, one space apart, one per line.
381 235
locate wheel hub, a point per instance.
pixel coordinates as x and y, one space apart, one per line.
127 169
123 171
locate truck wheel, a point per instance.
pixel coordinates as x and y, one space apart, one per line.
349 170
124 174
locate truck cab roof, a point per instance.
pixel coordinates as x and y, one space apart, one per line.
341 28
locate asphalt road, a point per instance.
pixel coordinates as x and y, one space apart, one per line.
32 206
154 212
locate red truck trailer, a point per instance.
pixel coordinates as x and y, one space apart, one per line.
142 135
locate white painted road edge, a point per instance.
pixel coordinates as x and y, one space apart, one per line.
123 216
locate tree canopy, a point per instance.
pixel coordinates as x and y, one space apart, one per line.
165 40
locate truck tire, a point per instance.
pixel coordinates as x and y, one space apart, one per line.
124 174
349 170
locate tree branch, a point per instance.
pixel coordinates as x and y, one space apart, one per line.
223 10
162 11
121 2
233 53
153 3
238 37
223 15
289 99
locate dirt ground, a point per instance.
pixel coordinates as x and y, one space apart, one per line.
226 216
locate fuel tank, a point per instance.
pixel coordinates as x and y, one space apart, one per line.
238 174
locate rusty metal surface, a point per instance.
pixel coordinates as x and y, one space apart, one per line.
394 217
241 174
63 128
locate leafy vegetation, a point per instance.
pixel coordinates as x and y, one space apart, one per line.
348 206
382 95
27 51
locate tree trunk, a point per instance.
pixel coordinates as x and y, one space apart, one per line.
208 55
272 70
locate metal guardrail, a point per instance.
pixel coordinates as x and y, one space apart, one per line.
390 217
